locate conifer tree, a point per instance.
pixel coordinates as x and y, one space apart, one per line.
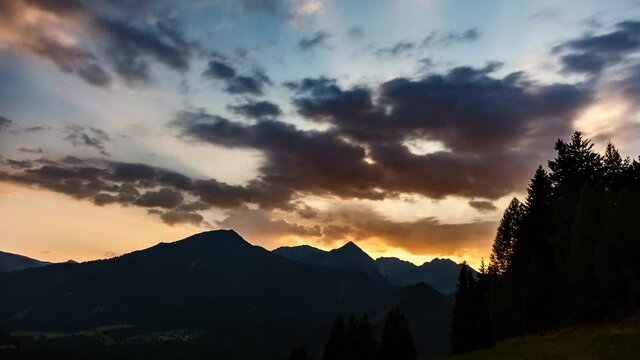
506 236
299 353
397 341
464 319
334 348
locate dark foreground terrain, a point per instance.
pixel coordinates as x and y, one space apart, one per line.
211 295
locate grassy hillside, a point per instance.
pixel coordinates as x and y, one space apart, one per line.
614 340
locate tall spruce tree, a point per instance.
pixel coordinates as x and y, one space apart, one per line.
397 341
334 348
505 239
464 320
298 353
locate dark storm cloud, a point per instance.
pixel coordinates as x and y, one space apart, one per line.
173 217
492 129
217 69
315 40
165 198
325 98
592 53
4 123
122 39
235 83
256 109
466 109
105 182
88 137
129 48
305 161
482 205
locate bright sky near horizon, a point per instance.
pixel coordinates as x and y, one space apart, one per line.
405 126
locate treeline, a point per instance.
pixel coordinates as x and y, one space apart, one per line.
355 339
568 253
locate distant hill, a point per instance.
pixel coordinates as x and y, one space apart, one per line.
349 256
442 274
14 262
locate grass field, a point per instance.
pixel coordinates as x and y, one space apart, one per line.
615 340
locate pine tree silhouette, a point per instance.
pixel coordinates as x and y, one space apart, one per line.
397 341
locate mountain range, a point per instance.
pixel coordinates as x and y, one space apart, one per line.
233 299
441 274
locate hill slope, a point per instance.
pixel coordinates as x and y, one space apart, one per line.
15 262
612 340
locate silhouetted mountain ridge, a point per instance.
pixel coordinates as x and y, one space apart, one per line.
441 274
253 301
349 256
15 262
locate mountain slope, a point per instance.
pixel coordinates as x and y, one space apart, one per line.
349 256
610 340
442 274
429 315
248 300
210 274
15 262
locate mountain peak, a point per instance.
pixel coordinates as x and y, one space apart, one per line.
351 246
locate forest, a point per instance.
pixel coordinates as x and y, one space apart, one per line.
565 255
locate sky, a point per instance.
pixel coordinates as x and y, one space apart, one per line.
405 126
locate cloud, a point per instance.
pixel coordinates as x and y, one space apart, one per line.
217 69
546 15
4 123
258 225
165 198
253 83
134 184
71 59
174 217
91 137
482 205
252 109
99 40
400 48
31 150
299 161
355 33
37 128
491 129
272 7
442 40
591 53
425 236
313 41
